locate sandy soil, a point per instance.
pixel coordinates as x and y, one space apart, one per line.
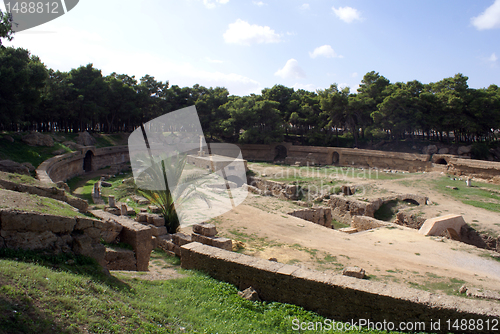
396 255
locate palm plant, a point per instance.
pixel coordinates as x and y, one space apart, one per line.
171 199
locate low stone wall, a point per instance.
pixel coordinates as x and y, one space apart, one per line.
475 168
345 208
137 235
337 297
66 166
34 231
319 215
362 223
274 188
51 192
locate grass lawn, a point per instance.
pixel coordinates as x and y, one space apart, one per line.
474 196
66 294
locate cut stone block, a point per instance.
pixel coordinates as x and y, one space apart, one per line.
435 226
205 229
195 237
120 259
141 217
354 272
181 239
154 209
223 243
157 231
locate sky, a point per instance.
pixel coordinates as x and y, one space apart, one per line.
248 45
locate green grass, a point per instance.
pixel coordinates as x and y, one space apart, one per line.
19 178
20 152
66 294
338 225
469 195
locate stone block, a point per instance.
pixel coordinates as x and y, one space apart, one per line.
181 239
435 226
202 239
157 231
205 229
141 217
223 243
134 234
112 210
249 294
154 209
120 259
354 272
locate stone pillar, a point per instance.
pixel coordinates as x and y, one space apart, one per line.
96 193
123 209
468 182
111 201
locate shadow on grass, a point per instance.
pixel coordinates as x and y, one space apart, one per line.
75 264
21 316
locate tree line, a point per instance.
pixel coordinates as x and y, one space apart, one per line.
34 97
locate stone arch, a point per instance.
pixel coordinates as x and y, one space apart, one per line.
87 161
233 178
280 153
411 201
335 158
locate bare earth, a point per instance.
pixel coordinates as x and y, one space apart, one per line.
394 255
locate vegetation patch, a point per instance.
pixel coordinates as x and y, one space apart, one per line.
67 294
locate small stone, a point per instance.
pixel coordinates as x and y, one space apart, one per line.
463 289
356 272
273 259
249 294
106 184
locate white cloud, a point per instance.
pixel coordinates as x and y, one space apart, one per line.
493 58
258 3
71 48
308 87
244 33
488 19
291 70
213 3
354 74
347 14
215 61
324 51
305 6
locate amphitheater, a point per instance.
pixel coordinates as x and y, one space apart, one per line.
305 249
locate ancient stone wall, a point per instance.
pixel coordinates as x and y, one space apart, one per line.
336 297
372 158
274 188
66 166
318 215
51 192
29 230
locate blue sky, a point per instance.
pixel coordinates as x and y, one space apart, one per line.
246 46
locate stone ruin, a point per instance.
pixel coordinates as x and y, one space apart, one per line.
203 233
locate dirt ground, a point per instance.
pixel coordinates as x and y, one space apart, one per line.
395 255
